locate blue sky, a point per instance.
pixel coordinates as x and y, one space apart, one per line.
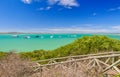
60 15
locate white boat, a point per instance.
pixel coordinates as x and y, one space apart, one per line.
27 37
14 36
51 36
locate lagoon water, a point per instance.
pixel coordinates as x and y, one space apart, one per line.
30 42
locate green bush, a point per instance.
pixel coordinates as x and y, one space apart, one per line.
84 45
117 76
2 54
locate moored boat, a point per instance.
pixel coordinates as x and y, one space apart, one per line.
27 37
15 36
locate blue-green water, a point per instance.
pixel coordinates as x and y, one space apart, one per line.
39 41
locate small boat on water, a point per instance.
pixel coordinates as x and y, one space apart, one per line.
51 36
27 37
15 36
37 36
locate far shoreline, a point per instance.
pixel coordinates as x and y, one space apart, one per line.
57 33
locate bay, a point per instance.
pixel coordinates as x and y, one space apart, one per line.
30 42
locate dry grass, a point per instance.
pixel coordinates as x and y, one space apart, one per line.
68 71
13 66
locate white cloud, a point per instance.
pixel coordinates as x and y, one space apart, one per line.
114 9
94 14
46 8
116 27
83 28
52 1
75 30
118 7
40 9
87 28
27 1
66 3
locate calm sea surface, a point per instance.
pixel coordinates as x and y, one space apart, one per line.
30 42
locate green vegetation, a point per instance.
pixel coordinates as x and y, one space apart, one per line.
14 66
84 45
2 54
117 76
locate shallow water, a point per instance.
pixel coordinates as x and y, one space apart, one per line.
10 42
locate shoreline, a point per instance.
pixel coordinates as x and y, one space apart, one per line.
48 43
56 33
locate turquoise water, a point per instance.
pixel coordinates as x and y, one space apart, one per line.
30 42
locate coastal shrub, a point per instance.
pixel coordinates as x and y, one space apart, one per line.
18 64
35 55
2 55
84 45
13 66
89 44
117 76
81 70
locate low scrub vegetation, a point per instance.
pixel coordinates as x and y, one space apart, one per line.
117 76
13 66
84 45
21 65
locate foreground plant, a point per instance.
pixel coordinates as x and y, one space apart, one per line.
13 66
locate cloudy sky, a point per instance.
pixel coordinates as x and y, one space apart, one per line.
60 15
